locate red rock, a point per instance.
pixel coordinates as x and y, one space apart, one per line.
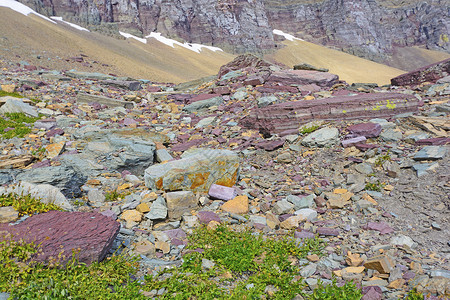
372 293
434 141
382 227
254 80
184 146
365 147
430 73
30 68
366 129
353 141
326 231
90 233
302 77
309 88
154 89
270 145
270 88
290 115
204 217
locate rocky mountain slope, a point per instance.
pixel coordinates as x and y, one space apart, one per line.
370 29
283 153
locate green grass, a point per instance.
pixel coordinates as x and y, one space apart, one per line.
26 205
306 130
374 186
4 94
20 123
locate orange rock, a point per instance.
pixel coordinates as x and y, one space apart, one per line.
382 263
354 269
367 197
353 260
239 205
313 257
272 220
212 225
397 284
53 150
131 215
143 208
163 246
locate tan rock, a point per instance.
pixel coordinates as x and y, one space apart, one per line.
354 269
272 221
9 88
8 214
53 150
145 247
143 208
163 246
212 225
313 257
382 263
238 205
124 186
353 260
179 203
397 284
131 215
367 197
151 196
292 222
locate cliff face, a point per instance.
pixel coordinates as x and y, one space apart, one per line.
367 28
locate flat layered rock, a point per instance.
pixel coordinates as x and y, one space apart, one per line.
91 234
431 73
281 117
110 102
302 77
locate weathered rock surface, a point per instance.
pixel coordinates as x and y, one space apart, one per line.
110 102
196 172
288 116
302 77
89 234
15 105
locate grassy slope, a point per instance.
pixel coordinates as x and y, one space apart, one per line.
349 68
153 61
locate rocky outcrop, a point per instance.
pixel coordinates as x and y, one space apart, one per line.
285 117
90 235
370 29
430 73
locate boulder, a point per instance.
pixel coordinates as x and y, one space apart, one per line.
64 178
195 172
242 62
281 117
198 105
89 234
131 85
110 102
180 202
430 73
324 137
367 130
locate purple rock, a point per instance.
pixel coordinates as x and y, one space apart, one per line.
304 235
221 192
175 233
284 217
177 242
327 231
409 275
58 231
366 129
382 227
204 217
434 141
372 293
109 213
53 132
41 164
353 141
128 121
270 145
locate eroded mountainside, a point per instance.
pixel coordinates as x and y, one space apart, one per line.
368 28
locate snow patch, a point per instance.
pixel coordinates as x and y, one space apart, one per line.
130 36
169 42
21 8
70 24
287 36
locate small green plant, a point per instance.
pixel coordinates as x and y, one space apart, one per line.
14 94
374 186
26 204
306 130
414 295
382 159
25 279
15 125
332 291
244 263
112 196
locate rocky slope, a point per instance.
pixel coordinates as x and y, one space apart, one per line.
370 29
369 175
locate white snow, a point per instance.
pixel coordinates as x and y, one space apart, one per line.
130 36
70 24
287 36
169 42
21 8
